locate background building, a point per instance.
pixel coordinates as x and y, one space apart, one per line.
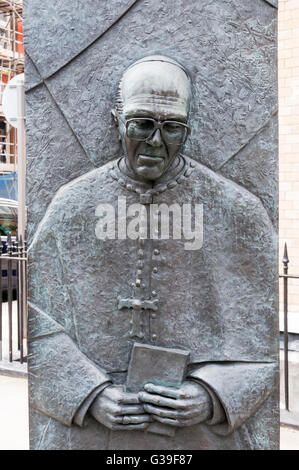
288 80
11 64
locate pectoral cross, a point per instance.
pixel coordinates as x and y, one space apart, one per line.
137 305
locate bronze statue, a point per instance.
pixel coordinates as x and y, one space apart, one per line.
92 299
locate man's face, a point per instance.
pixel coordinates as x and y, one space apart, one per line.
152 91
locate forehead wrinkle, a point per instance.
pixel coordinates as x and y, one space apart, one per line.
141 100
158 79
165 111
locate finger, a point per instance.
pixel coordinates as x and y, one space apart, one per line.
129 410
145 418
183 415
170 392
130 398
163 412
189 413
161 401
129 427
157 400
114 393
171 422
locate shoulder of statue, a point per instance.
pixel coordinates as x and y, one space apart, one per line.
227 192
74 196
79 185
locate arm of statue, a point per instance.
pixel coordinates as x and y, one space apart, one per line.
62 379
61 376
225 395
222 396
65 384
240 389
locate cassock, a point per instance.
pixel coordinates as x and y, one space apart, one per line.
217 302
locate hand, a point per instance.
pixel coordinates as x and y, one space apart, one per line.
118 410
190 404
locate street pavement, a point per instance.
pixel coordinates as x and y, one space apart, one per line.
14 418
289 438
13 414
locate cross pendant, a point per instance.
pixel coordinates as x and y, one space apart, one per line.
137 305
136 324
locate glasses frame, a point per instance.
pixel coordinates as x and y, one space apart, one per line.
157 125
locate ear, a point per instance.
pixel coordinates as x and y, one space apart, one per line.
114 115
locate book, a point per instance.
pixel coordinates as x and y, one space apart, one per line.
159 366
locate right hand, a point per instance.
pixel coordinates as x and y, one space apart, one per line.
119 410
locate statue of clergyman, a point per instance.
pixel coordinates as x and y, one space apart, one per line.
195 328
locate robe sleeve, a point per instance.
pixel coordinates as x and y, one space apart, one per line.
62 378
81 412
240 389
63 381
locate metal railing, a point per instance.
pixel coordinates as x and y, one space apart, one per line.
13 295
286 276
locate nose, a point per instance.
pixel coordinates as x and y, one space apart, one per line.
156 139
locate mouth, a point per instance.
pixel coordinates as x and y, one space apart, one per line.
148 160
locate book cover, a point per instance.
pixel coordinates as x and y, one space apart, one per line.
160 366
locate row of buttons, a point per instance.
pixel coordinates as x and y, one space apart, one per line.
154 293
140 263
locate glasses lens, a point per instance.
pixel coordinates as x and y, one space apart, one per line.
140 129
174 132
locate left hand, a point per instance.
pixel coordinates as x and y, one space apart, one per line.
185 406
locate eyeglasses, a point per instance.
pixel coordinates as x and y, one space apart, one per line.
142 129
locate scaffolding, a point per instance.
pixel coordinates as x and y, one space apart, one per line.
11 64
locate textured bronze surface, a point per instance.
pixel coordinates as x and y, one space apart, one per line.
91 299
